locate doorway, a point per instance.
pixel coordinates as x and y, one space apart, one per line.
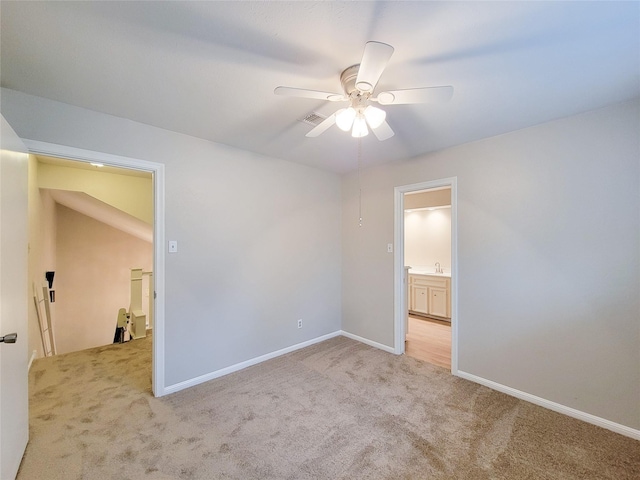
157 171
90 225
425 270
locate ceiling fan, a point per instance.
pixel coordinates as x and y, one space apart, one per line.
358 82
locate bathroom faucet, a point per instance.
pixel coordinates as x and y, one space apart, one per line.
438 268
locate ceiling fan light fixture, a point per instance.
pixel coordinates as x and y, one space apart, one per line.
374 116
359 127
344 118
358 84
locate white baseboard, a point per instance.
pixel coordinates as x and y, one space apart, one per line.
242 365
556 407
368 342
33 357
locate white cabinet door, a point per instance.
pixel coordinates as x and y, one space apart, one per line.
420 299
438 301
14 357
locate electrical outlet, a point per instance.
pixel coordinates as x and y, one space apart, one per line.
300 323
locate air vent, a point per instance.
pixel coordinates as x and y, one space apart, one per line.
313 118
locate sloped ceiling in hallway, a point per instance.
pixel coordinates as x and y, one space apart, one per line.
94 208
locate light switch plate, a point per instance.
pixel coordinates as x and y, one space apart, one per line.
173 246
389 247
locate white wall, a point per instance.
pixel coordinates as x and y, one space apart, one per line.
259 238
427 238
548 251
92 281
42 256
36 271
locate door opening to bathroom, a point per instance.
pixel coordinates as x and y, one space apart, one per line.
428 270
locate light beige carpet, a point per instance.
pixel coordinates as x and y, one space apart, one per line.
335 410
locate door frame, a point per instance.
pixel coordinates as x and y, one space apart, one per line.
157 169
400 284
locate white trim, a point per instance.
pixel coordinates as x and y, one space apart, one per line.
157 359
34 354
399 291
366 341
248 363
157 169
72 153
556 407
400 294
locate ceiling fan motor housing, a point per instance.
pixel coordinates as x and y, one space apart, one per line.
348 80
357 97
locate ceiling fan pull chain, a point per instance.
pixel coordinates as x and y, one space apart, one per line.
359 182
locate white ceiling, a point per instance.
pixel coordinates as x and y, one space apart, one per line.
208 69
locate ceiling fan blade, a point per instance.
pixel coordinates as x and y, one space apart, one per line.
303 93
321 127
416 95
375 59
383 131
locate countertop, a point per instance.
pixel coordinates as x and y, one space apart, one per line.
426 271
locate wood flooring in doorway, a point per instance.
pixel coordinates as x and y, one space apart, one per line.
429 340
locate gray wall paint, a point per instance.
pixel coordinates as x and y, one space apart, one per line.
259 238
549 265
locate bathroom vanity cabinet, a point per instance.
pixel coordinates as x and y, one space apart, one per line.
430 295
